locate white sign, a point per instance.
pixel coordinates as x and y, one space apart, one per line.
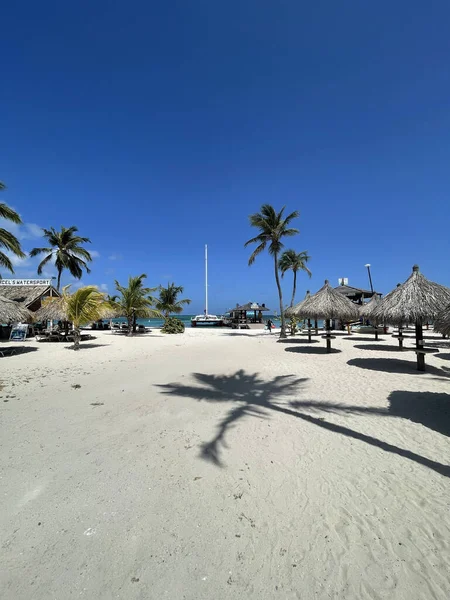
254 306
45 282
343 281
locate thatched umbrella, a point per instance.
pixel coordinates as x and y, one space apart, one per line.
52 309
414 301
328 304
366 311
12 312
442 322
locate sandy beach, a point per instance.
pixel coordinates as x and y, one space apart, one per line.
222 464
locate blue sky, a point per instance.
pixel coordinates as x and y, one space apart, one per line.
157 127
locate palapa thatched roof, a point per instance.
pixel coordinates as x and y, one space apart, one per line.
327 303
367 309
292 311
55 309
13 312
442 321
417 298
26 294
51 309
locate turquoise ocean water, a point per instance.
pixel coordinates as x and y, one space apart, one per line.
158 323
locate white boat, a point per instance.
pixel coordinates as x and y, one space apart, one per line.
206 320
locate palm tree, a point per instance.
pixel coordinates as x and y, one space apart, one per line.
290 260
272 228
135 301
80 308
7 239
168 300
66 249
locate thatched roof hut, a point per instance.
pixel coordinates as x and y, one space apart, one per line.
367 309
418 299
292 311
442 321
55 309
13 312
415 301
327 304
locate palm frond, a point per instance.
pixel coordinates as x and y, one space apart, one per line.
6 212
11 243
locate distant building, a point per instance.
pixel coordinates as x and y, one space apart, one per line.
354 294
28 292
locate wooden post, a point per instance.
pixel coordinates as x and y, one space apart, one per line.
328 334
400 336
309 330
376 331
419 346
316 326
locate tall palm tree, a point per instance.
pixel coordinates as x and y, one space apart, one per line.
7 239
80 308
294 261
67 251
135 301
168 301
273 227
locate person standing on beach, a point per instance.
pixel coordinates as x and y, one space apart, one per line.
269 325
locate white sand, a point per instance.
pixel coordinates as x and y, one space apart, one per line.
122 489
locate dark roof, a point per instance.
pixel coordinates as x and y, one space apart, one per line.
250 306
350 291
26 294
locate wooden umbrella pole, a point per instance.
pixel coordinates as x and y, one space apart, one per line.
328 334
419 346
309 330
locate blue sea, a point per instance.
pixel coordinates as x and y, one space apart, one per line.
158 323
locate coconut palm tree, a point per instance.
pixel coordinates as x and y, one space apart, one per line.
80 308
7 239
168 302
66 250
294 261
273 227
135 301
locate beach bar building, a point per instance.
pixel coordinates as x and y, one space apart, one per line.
354 294
248 316
28 293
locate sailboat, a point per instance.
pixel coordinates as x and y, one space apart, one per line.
206 320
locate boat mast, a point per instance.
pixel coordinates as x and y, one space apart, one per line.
206 279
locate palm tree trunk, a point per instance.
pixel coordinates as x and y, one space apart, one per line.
76 337
294 289
58 285
280 294
130 325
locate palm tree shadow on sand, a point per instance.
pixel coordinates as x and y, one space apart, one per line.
252 396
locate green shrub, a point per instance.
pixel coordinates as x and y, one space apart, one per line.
294 325
172 325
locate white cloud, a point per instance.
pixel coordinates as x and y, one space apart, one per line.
16 261
94 253
26 231
104 287
167 276
33 231
115 256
